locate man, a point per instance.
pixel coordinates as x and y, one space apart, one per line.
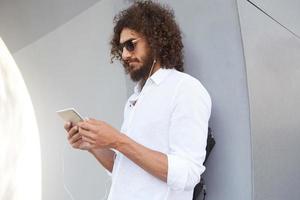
158 154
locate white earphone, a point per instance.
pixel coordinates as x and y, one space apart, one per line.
154 61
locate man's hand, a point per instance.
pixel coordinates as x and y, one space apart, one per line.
74 137
102 136
98 134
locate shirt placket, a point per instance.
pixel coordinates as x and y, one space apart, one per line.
129 122
145 89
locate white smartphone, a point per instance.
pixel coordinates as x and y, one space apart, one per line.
70 115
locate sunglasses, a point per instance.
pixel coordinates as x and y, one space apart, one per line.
129 45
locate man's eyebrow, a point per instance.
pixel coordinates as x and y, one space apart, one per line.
127 40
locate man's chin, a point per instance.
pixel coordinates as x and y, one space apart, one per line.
134 76
136 71
133 67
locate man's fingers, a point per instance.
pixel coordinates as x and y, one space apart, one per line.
85 146
93 121
77 144
86 139
87 126
82 145
87 134
75 138
67 126
73 131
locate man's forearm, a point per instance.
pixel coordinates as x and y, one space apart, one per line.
105 157
154 162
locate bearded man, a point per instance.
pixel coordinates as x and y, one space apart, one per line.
159 152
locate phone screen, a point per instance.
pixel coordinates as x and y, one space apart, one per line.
70 115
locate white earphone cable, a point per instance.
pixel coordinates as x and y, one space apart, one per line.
154 61
63 171
64 183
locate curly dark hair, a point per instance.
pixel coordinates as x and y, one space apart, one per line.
157 23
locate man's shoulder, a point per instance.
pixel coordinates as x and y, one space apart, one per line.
186 80
189 85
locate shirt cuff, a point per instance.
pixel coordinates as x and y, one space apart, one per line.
183 174
177 172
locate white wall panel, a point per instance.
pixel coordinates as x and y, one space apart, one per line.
70 67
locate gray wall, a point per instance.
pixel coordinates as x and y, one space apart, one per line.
23 22
65 63
272 59
69 66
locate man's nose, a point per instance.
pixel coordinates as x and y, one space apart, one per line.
125 54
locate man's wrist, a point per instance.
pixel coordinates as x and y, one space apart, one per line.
121 140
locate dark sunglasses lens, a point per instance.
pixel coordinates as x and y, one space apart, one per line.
129 46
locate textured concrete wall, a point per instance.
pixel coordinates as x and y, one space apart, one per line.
272 52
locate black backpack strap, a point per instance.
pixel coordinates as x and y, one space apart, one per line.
210 143
204 190
200 188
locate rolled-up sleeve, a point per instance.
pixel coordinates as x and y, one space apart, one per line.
191 109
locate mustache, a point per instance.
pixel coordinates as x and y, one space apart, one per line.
131 60
126 65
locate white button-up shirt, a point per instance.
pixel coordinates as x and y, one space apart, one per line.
170 115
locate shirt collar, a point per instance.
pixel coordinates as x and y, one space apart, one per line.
156 78
160 75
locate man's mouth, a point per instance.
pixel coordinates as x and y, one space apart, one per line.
133 62
131 65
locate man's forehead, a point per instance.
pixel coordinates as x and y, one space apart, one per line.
127 34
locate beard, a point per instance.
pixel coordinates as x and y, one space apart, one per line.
138 73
